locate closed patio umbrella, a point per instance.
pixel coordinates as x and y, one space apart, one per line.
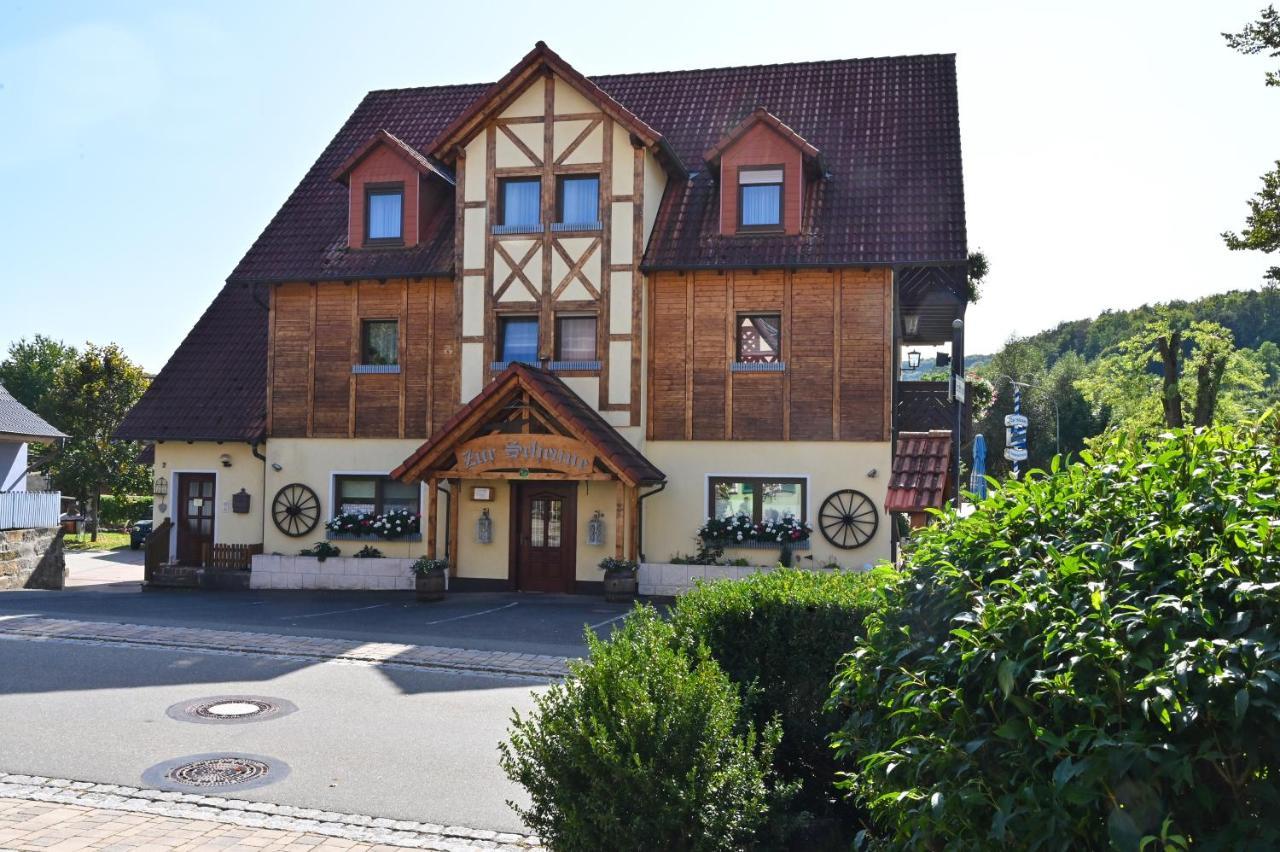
977 477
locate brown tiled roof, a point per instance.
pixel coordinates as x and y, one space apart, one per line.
921 468
559 400
214 388
888 130
760 115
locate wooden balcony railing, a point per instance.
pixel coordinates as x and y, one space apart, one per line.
923 406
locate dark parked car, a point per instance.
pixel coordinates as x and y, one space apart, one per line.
138 533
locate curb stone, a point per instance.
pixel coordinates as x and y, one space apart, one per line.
358 827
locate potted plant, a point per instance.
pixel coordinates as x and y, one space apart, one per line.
429 578
620 583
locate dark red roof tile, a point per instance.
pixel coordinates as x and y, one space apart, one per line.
921 472
214 388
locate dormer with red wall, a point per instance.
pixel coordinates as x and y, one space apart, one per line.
393 191
764 166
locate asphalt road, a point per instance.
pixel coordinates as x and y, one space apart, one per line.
378 741
530 623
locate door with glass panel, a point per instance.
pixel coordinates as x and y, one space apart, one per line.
195 516
545 552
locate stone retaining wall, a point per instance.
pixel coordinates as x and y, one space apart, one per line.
32 559
336 572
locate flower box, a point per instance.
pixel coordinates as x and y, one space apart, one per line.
334 536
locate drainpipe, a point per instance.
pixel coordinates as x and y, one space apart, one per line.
253 448
448 498
640 515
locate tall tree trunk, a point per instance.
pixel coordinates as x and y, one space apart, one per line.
1170 349
97 508
1208 383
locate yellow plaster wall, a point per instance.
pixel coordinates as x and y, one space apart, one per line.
245 472
528 103
655 182
474 173
672 517
569 100
484 560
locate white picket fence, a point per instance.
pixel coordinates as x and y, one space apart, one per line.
24 509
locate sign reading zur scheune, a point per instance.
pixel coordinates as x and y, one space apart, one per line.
513 452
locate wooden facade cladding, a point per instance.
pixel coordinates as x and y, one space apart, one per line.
836 350
314 342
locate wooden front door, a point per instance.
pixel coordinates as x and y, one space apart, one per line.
546 536
195 516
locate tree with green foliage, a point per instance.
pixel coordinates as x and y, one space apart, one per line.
1089 660
90 396
975 270
1174 372
30 369
1262 231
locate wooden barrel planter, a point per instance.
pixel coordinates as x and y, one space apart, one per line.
429 579
620 586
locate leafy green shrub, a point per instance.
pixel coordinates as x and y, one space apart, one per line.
779 635
1089 659
121 511
641 748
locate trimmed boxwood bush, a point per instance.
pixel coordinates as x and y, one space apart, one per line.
641 747
779 636
1092 658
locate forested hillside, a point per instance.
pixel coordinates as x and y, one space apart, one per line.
1085 375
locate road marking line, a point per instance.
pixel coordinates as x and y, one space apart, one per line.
331 612
608 621
12 617
471 614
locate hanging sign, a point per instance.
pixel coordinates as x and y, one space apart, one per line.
523 453
1015 454
1012 420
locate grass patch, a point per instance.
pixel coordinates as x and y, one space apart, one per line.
106 541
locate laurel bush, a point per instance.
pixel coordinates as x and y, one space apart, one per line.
1091 659
641 747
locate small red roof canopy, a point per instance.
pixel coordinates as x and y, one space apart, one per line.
921 472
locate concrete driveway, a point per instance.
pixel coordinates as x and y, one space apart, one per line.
104 570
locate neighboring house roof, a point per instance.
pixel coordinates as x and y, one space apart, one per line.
19 423
424 165
559 400
921 472
214 388
888 130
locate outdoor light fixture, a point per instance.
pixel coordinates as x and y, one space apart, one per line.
225 458
913 359
910 324
160 487
595 529
484 527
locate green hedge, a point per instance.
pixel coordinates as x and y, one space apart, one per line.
122 511
1091 659
641 747
779 635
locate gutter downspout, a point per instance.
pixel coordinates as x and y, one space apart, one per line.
640 515
253 448
448 498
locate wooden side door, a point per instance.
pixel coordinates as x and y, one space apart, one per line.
546 550
195 516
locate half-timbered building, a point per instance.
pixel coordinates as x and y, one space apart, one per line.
564 317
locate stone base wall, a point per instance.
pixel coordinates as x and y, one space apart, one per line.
335 572
666 580
32 559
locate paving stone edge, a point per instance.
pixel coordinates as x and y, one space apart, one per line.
241 812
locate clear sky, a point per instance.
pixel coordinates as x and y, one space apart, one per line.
143 146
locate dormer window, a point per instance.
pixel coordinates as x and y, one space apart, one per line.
519 204
384 213
760 198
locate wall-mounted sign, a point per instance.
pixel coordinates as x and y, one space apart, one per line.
524 453
481 493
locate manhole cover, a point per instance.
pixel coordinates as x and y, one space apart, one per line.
200 773
219 772
221 709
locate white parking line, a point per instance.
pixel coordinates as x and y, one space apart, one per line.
470 614
12 617
608 621
331 612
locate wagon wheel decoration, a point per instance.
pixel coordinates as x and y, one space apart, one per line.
848 519
295 510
